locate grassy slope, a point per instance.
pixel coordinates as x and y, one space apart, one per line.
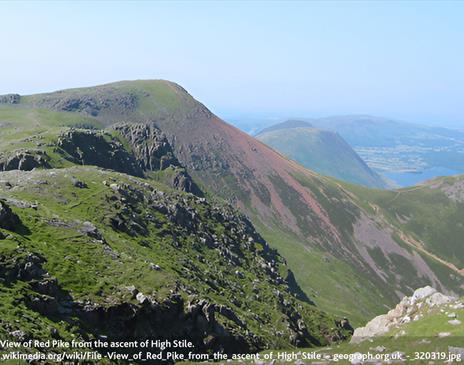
86 272
30 129
427 214
331 283
324 152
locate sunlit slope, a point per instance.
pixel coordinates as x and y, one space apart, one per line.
322 151
341 249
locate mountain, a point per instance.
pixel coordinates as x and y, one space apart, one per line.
322 151
403 152
348 249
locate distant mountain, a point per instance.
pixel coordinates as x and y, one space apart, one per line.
291 123
322 151
404 152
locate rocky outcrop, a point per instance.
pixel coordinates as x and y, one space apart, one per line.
8 219
25 160
153 152
149 145
409 309
10 99
86 147
197 320
181 180
148 150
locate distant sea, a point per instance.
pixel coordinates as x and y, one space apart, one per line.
404 179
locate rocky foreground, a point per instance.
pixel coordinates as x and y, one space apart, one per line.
410 309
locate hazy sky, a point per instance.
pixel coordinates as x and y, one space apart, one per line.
395 59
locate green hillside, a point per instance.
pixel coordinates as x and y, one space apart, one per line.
322 151
86 253
349 254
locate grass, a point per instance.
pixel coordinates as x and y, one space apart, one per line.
331 283
86 271
324 152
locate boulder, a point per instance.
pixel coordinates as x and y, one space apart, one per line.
422 293
8 219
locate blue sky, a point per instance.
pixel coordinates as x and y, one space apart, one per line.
396 59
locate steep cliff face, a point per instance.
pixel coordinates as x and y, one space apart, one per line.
23 159
149 145
153 152
10 99
86 147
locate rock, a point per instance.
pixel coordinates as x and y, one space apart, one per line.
444 334
378 326
151 147
401 314
239 274
452 315
182 181
25 160
422 293
454 322
422 341
31 267
346 325
132 290
8 219
141 298
90 230
107 250
378 349
18 334
119 103
438 299
405 319
54 332
87 147
10 99
459 351
154 267
78 184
